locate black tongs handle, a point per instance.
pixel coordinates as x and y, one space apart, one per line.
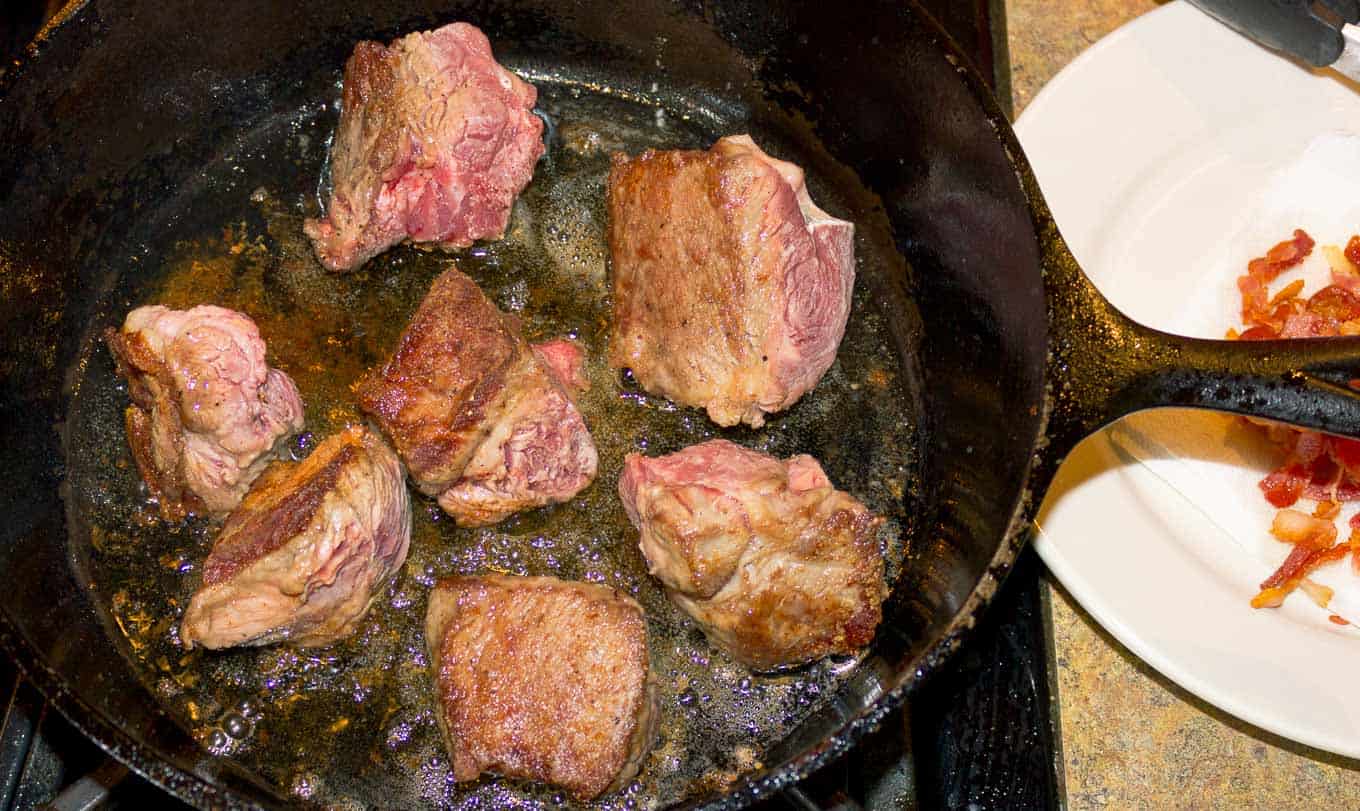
1310 30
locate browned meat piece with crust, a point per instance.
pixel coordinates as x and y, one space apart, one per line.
435 142
541 679
208 413
731 288
481 418
307 552
776 565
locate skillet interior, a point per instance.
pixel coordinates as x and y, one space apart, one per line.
115 152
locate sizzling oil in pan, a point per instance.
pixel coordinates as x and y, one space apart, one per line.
352 724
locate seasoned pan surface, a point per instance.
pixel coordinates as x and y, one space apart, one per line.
353 724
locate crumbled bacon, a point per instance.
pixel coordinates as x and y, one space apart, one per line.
1257 308
1254 300
1341 488
1346 453
1354 541
1283 487
1326 509
1288 292
1325 469
1292 572
1335 302
1307 324
1303 530
1260 332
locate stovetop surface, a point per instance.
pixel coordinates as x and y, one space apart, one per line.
980 735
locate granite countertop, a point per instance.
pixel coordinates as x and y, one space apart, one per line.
1130 737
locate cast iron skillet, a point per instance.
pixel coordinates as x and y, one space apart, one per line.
1013 355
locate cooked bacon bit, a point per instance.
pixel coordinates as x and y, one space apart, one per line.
1254 299
1260 332
1283 487
1282 257
1335 302
1346 452
1292 572
1300 562
1287 254
1353 251
1354 542
1287 292
1286 310
1343 489
1325 469
1256 304
1320 595
1307 324
1335 620
1272 597
1303 530
1348 281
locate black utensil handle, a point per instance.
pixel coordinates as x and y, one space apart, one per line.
1300 28
1103 365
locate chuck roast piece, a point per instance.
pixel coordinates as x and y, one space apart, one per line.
776 565
542 679
207 411
482 420
306 553
731 289
435 141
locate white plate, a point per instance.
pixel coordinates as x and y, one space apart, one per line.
1163 152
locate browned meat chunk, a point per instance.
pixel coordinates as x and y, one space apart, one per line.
776 565
435 142
731 289
306 553
479 417
207 411
542 679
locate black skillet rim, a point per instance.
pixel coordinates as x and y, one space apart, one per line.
203 793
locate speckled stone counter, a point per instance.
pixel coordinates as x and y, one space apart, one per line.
1131 738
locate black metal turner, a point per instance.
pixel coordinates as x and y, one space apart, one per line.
1320 33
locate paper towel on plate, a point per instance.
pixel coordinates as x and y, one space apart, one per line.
1211 459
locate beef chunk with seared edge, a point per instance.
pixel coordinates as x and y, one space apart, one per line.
776 565
435 142
304 556
541 679
731 288
208 413
484 422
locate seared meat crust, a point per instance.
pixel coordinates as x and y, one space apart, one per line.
541 679
435 141
481 418
308 550
776 565
208 413
731 288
